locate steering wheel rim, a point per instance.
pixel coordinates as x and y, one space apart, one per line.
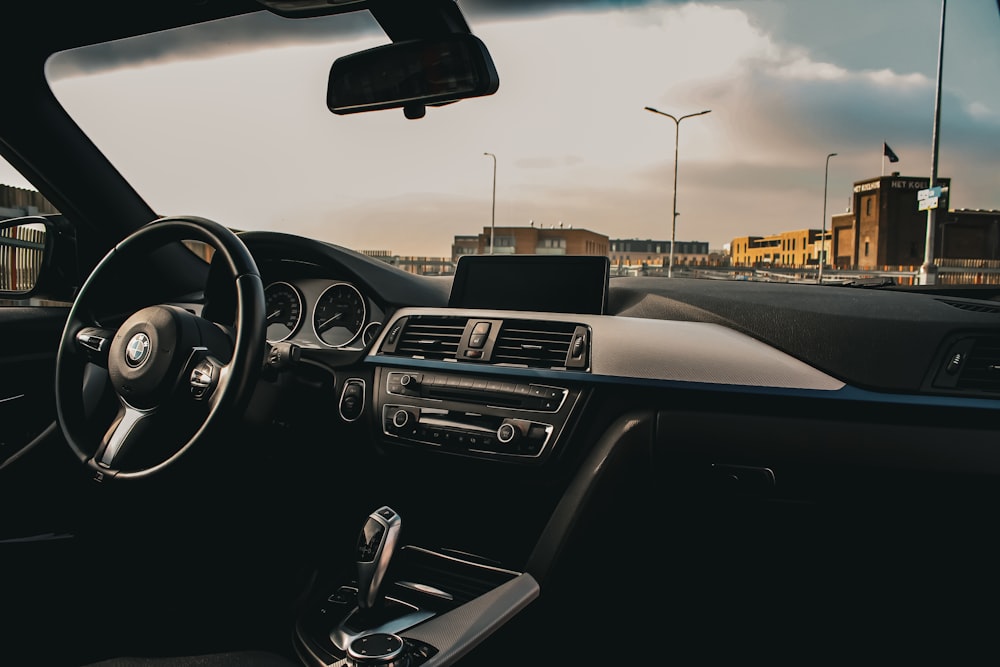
161 358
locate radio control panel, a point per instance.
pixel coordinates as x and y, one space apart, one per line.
473 415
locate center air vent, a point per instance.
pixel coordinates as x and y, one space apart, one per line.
524 343
430 337
541 344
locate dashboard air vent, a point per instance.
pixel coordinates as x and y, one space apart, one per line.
537 344
431 337
974 307
980 370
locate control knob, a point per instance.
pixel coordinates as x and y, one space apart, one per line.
507 433
379 648
400 418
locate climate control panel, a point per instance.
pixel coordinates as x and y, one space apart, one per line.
463 431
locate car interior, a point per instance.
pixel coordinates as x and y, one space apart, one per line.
280 451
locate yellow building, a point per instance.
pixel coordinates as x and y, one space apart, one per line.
799 248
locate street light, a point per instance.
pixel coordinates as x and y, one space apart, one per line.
493 214
822 234
927 274
677 133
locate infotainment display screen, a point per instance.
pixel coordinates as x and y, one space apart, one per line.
553 283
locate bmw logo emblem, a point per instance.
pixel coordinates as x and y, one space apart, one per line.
137 350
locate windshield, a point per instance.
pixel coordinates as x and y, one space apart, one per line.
763 136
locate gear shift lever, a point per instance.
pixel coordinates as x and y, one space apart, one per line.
376 544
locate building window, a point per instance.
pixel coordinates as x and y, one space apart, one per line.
866 248
868 205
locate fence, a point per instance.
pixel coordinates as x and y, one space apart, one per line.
21 250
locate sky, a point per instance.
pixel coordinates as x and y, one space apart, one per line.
245 137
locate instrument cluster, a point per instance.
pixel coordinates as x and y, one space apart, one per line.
320 313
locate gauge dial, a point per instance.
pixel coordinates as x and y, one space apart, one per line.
284 311
339 315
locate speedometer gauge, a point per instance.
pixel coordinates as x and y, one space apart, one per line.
284 311
339 315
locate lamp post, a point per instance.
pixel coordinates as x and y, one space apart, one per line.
493 212
673 220
927 275
822 234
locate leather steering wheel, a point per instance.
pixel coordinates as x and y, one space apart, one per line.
174 374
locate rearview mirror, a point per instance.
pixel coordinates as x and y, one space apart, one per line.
412 74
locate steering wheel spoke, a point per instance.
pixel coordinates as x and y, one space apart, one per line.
128 427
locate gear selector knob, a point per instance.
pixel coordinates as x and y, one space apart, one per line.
376 544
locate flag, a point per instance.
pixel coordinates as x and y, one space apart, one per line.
887 152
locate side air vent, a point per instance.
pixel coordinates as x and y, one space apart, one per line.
541 344
973 307
430 337
972 366
981 369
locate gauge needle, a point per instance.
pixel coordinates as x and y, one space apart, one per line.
326 323
273 315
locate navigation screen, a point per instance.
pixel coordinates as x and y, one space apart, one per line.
553 283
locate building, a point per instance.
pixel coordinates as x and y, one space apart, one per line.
799 248
629 254
532 240
17 202
467 244
884 230
885 227
969 234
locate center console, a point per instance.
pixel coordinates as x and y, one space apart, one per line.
404 606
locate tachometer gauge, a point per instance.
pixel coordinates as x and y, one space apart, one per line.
284 311
339 315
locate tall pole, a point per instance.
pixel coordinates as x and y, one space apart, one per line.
493 212
677 136
822 235
928 271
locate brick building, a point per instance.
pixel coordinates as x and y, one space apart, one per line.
885 227
532 240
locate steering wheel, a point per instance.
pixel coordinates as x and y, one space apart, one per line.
174 374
